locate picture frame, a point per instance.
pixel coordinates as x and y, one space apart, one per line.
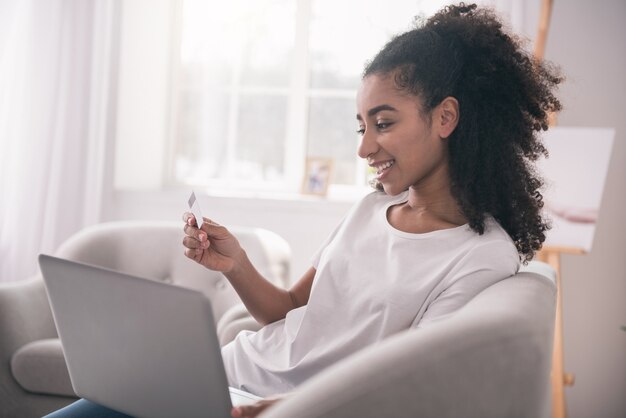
317 175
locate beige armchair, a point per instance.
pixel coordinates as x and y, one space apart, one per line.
491 359
33 375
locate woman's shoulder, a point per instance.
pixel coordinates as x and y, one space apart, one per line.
495 245
494 230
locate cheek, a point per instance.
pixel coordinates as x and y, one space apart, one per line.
413 147
422 154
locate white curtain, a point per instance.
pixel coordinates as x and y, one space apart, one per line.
55 77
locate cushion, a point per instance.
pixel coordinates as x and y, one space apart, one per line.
39 367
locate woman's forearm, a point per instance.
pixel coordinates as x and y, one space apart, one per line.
265 301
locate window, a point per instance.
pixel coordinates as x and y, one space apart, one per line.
260 87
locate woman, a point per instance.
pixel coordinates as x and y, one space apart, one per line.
448 115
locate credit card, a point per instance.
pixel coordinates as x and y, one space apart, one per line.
194 206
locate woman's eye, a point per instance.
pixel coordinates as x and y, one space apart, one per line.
379 126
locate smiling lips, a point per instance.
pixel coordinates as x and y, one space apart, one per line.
382 166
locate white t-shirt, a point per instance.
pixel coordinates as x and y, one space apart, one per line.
372 281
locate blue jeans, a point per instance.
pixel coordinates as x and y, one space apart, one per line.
83 408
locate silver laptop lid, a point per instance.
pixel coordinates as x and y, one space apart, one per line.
141 347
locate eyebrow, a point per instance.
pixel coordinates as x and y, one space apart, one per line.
377 109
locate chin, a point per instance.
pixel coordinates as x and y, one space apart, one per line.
392 190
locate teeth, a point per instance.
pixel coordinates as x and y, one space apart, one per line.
384 166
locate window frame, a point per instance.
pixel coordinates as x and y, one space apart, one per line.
298 95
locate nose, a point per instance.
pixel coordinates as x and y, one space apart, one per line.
368 145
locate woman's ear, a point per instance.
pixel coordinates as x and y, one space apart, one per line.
447 116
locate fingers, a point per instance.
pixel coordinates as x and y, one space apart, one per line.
194 232
190 219
195 240
209 229
196 243
249 411
195 255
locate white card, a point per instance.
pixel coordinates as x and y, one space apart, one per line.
194 206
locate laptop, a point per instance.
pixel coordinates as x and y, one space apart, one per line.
138 346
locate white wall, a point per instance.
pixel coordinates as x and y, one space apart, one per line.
137 157
588 40
304 224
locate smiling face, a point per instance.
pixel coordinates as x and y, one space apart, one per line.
406 147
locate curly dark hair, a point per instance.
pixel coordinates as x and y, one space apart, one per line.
505 98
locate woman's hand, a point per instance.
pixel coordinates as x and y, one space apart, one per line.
249 411
212 246
217 249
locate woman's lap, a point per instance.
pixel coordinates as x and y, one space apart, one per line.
83 408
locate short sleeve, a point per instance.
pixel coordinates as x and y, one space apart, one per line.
485 267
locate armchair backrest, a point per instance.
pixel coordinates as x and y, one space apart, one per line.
154 250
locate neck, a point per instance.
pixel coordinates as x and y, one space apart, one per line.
434 200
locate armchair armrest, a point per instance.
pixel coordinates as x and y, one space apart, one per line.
234 320
491 359
25 315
